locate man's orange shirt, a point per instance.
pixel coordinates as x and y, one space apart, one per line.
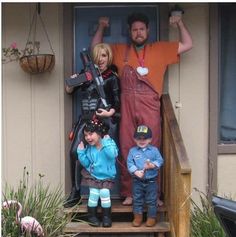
158 56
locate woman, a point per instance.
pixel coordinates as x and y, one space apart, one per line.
91 107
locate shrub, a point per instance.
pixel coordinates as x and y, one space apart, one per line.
40 202
204 222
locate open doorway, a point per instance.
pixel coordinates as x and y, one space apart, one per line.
85 18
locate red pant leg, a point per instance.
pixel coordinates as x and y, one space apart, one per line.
127 128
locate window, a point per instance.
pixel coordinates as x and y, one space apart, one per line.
222 84
222 123
227 75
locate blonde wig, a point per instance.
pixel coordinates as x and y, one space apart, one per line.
97 52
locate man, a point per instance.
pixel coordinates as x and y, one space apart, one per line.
141 67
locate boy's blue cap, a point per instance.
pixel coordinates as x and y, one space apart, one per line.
143 131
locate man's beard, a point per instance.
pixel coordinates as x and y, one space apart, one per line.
138 44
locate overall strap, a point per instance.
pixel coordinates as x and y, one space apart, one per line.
126 55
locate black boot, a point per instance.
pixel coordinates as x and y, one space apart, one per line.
92 216
73 198
106 222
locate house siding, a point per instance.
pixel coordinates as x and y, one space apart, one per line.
33 105
36 113
189 85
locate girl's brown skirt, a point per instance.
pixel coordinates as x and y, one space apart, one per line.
90 181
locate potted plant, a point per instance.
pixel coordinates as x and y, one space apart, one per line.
36 63
30 59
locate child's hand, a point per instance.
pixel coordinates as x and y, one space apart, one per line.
139 173
81 145
148 165
106 136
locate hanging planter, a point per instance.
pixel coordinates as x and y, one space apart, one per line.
32 60
37 63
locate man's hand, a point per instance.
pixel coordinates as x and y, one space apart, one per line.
185 41
103 21
175 20
139 173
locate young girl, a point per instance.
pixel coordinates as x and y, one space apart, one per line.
98 158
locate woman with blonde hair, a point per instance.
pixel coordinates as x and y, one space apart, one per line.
102 56
91 107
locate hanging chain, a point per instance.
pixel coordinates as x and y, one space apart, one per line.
34 23
31 26
46 33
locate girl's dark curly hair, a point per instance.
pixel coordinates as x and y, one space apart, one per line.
96 125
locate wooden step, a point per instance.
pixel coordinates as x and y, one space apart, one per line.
117 207
117 227
122 217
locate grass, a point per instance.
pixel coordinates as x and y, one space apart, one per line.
204 222
42 203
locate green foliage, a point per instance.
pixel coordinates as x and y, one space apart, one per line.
9 226
12 53
37 201
204 222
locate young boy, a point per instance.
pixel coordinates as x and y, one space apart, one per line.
143 163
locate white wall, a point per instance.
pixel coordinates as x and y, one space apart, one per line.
33 106
226 176
188 84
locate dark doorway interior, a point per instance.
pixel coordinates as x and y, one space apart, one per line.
85 23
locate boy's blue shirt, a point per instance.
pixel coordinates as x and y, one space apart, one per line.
100 163
138 156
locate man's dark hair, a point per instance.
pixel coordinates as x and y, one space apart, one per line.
137 16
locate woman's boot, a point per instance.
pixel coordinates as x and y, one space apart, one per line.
73 199
106 222
92 216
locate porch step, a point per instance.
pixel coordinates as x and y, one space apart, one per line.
117 207
122 217
117 227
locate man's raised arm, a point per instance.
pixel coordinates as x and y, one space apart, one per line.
186 42
103 23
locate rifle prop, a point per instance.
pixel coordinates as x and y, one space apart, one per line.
91 73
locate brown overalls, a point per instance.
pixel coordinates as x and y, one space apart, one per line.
140 104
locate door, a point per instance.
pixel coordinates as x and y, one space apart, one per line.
85 23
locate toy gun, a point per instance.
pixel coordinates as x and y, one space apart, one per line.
91 73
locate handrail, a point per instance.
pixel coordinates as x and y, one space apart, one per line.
176 172
175 134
